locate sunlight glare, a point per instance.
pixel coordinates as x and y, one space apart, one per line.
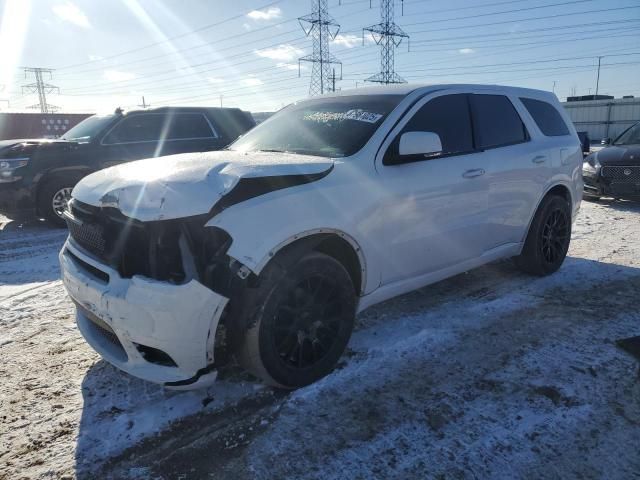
13 31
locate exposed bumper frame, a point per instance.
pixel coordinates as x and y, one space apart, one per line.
180 320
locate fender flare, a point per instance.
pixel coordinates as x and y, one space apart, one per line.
542 197
309 233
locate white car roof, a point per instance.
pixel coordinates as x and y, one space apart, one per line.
406 88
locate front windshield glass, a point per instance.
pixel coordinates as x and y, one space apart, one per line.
88 128
328 127
630 137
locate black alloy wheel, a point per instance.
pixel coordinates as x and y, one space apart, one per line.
300 318
555 236
547 242
307 323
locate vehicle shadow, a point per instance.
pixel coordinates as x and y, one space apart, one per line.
120 412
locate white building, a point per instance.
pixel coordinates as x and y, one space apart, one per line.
603 118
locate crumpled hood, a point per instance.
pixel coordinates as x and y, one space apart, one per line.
187 184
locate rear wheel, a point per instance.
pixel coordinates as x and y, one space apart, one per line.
301 316
547 243
54 198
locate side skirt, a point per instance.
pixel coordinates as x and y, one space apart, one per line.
386 292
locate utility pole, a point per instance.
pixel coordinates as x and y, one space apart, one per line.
554 87
41 88
144 104
598 77
220 101
333 80
389 36
322 28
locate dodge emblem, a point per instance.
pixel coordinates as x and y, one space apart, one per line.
627 172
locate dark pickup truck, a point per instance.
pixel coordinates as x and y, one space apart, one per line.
37 176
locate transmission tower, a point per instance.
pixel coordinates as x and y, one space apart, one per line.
321 27
41 88
389 36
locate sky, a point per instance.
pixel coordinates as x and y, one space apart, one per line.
244 53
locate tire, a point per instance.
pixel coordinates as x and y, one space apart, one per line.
53 198
300 318
548 239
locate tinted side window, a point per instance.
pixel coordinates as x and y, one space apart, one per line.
137 128
449 117
189 125
496 121
546 117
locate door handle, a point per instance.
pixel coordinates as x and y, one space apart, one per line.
539 159
476 172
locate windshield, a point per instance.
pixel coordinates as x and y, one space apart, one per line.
88 128
630 137
328 127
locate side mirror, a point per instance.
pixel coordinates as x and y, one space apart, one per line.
605 141
419 143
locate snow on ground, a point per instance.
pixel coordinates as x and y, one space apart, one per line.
491 374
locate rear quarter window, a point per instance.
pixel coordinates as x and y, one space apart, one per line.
546 116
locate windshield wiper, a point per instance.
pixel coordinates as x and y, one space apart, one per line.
272 150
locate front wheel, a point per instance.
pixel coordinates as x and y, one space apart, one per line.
547 243
301 316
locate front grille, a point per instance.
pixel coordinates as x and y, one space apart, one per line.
622 174
131 247
88 236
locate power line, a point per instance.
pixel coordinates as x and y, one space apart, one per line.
440 40
171 71
489 14
171 39
530 19
533 30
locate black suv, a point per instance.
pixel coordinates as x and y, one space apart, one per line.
37 176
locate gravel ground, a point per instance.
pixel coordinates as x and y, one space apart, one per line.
491 374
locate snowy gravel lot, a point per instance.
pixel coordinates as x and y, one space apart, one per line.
491 374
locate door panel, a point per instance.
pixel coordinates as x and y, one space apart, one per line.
434 210
110 155
437 219
515 168
515 183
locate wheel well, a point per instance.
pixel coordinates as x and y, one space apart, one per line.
49 177
333 245
561 191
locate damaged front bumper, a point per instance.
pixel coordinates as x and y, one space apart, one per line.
154 330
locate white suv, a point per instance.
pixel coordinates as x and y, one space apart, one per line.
267 250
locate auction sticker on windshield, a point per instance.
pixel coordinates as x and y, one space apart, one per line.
356 114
